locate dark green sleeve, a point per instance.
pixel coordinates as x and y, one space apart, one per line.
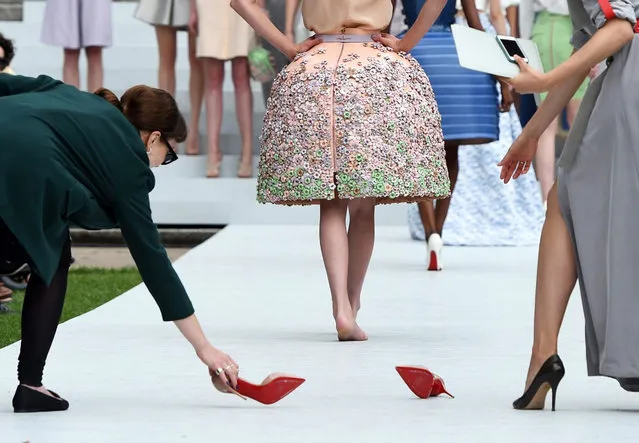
18 84
133 213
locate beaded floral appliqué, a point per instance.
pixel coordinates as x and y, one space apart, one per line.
365 124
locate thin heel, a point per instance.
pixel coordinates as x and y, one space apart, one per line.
554 385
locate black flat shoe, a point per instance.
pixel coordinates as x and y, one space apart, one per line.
30 400
629 384
548 377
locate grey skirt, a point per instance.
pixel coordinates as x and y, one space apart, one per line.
173 13
598 187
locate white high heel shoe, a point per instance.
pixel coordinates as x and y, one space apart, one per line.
435 246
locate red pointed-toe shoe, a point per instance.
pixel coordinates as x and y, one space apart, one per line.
419 380
439 387
274 388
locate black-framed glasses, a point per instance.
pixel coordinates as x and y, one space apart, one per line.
171 155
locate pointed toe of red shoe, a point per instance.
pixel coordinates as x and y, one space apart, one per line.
272 392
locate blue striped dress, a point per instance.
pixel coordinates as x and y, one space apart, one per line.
467 100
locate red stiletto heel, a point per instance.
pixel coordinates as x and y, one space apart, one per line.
274 388
439 387
419 380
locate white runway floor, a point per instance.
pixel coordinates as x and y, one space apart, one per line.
261 294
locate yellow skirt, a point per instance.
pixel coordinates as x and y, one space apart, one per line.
222 33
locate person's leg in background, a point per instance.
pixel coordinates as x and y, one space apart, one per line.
167 51
95 75
196 95
71 67
244 110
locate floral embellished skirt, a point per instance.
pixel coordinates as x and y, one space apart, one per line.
352 120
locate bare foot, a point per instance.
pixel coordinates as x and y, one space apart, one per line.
42 390
349 330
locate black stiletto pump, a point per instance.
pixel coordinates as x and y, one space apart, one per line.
548 377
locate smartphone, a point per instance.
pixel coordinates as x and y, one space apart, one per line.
511 48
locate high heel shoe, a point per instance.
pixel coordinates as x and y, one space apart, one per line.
548 377
435 246
419 380
274 388
422 382
31 400
439 387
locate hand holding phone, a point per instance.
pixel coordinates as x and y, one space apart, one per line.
511 48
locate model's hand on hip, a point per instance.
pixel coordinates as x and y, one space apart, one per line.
389 41
304 46
519 157
528 81
222 368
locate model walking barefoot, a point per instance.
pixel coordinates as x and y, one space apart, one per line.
352 123
592 208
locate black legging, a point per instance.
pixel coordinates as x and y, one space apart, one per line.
41 310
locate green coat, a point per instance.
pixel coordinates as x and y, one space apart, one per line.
71 158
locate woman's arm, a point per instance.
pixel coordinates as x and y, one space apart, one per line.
614 35
607 41
133 213
427 16
512 15
258 19
553 105
497 17
292 6
471 14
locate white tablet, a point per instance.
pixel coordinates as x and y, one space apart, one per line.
480 51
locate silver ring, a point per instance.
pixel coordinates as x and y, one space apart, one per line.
219 371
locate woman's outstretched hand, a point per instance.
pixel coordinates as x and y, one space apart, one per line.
519 157
528 81
222 368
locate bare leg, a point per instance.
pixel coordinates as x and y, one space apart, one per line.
441 208
213 82
556 279
95 68
334 245
545 159
196 94
427 215
71 67
361 240
244 107
167 50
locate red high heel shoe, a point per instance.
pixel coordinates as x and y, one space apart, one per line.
274 388
419 380
439 387
422 382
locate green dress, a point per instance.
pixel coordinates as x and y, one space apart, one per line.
71 158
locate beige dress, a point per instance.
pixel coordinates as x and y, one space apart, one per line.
351 119
222 33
